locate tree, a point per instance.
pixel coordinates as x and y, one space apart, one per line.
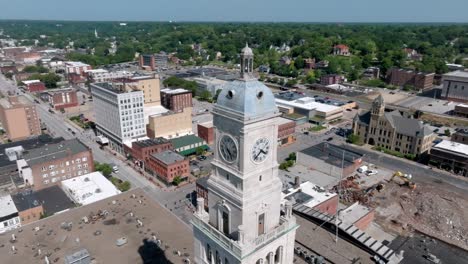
205 96
447 132
104 168
177 180
291 156
199 151
124 186
353 139
215 98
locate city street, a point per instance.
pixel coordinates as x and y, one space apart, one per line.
174 201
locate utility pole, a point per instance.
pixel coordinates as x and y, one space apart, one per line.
338 201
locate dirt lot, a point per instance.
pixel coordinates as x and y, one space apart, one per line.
428 209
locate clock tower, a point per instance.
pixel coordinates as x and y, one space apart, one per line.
245 222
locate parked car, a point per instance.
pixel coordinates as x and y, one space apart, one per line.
329 139
51 111
202 157
372 172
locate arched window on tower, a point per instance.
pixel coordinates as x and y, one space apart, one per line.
279 255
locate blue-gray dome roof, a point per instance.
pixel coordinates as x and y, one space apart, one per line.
249 98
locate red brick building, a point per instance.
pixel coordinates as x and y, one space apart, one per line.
167 165
206 132
140 151
63 98
12 52
147 62
50 164
330 79
34 86
286 129
401 77
201 187
176 99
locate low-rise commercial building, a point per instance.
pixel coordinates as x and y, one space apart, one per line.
76 67
460 135
62 98
170 124
176 99
141 150
312 196
34 86
286 130
402 77
19 118
89 188
358 215
455 86
451 156
50 164
187 145
9 216
206 132
461 110
316 112
330 159
168 165
34 205
152 61
119 114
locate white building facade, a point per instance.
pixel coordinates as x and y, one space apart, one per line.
119 114
244 223
9 217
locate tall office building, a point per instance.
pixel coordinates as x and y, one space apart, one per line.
244 223
119 114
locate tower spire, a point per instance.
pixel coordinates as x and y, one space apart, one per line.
246 61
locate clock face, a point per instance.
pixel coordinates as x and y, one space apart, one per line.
260 150
228 148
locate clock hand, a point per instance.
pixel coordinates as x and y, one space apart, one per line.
256 156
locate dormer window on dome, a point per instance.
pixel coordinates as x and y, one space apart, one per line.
230 94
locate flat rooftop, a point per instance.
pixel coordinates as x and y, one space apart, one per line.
332 154
54 151
52 199
99 237
76 64
168 157
463 74
175 91
308 194
307 103
353 213
7 206
15 101
27 144
89 188
150 142
458 148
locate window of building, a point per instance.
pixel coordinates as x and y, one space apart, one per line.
209 256
46 181
45 175
261 224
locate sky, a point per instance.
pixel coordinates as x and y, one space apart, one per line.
239 10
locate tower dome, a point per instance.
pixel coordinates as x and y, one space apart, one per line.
247 50
247 97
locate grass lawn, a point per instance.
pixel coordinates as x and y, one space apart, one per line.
316 128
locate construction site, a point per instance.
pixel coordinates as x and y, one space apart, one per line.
403 207
127 228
